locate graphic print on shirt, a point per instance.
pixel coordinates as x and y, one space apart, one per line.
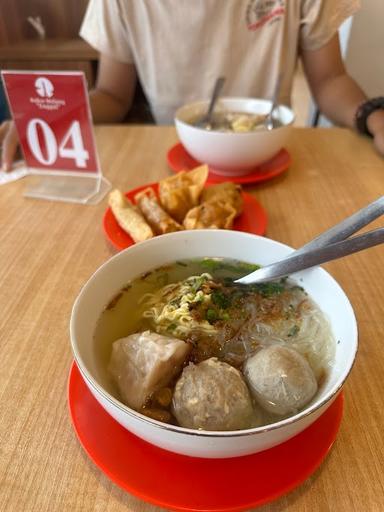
263 12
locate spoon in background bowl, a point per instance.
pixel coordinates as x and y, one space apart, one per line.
269 121
330 245
206 120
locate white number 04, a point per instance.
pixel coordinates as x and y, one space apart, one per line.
71 146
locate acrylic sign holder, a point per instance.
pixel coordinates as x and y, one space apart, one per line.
53 119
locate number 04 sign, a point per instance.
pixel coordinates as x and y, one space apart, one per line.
52 116
46 149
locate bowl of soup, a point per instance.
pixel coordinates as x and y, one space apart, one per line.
236 141
185 358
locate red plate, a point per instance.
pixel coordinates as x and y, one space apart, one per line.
179 160
177 482
252 220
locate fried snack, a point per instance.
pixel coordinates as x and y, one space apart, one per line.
181 192
210 215
128 217
227 192
159 220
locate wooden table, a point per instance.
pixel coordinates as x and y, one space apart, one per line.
48 250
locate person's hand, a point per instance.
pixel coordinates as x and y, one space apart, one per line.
375 124
9 142
378 140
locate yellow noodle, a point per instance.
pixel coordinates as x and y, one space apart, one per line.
169 306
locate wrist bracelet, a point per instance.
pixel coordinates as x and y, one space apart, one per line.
364 111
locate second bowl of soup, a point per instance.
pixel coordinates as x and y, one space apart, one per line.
237 141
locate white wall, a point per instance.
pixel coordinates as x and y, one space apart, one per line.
365 50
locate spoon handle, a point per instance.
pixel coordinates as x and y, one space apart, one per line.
215 94
314 257
269 118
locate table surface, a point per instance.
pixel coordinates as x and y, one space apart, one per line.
49 249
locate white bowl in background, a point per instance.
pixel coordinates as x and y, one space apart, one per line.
230 153
161 250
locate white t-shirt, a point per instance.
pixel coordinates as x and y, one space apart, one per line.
180 47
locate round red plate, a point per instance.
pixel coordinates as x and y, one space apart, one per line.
179 160
252 220
177 482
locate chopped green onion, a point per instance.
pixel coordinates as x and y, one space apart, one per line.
220 299
211 315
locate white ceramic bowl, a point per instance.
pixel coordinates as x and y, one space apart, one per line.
161 250
229 153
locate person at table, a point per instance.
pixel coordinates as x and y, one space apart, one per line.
177 48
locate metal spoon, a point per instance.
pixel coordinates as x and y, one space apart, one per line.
269 122
331 245
206 120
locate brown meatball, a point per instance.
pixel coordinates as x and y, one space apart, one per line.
280 379
212 395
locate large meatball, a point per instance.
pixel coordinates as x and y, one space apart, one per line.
212 395
280 379
144 362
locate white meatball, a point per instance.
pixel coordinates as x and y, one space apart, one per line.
212 395
144 362
280 379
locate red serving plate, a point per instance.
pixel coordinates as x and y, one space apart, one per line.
178 482
180 160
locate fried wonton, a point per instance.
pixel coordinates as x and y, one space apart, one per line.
226 192
128 217
210 215
181 192
159 220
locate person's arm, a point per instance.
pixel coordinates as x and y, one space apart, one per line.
112 96
337 95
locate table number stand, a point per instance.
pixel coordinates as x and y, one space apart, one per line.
53 119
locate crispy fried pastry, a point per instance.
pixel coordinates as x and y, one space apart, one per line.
181 192
159 220
128 217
